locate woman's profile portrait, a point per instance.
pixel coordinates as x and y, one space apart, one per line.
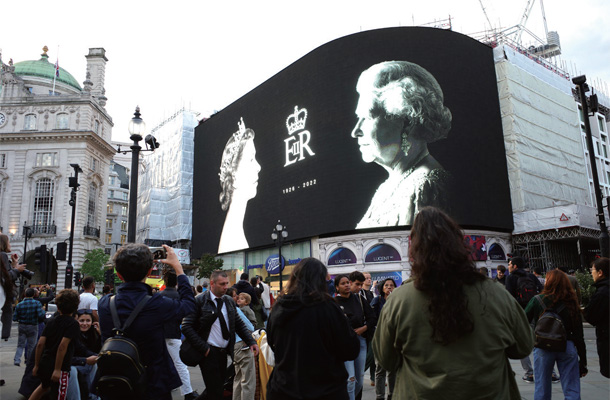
238 181
400 110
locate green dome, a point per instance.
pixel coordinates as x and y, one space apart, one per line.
44 69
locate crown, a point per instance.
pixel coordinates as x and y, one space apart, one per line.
231 149
296 121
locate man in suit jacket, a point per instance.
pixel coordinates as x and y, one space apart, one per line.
211 330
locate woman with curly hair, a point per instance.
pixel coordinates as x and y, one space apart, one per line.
239 181
451 329
400 111
559 295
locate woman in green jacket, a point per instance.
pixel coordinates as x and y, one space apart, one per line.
451 329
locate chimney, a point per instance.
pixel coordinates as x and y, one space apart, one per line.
96 70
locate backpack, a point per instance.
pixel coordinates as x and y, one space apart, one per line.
550 333
526 290
121 373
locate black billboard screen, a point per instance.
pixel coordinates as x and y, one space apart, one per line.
358 134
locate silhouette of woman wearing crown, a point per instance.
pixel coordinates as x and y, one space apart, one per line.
400 111
239 181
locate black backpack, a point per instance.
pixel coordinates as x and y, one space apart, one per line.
121 373
550 333
526 290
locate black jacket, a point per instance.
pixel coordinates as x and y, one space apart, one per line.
311 341
513 278
196 327
598 310
172 328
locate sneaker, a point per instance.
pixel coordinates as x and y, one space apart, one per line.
17 364
555 378
528 378
191 396
372 382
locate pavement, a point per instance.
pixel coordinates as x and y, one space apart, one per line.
593 386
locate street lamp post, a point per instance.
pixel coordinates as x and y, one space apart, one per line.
279 234
27 230
136 129
73 183
580 82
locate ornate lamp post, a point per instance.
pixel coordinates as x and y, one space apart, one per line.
278 235
136 128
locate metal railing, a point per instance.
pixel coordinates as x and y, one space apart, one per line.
91 231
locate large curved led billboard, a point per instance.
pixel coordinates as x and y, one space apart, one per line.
359 134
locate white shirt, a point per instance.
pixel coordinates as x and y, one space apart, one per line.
215 338
266 296
87 301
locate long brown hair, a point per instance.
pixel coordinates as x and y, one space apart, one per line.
558 288
441 266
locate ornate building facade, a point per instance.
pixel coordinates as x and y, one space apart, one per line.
48 122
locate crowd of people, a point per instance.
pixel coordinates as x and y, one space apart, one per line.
445 328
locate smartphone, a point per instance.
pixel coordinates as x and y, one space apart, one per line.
159 253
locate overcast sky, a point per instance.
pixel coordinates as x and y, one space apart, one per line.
204 55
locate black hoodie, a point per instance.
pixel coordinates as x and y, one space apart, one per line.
311 341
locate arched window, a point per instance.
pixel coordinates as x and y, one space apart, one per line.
92 206
30 122
62 121
43 205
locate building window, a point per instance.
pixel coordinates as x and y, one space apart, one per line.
92 206
111 194
94 164
43 202
125 196
107 250
123 239
97 127
46 159
2 160
124 211
109 238
62 121
601 123
109 208
108 223
604 140
30 122
123 225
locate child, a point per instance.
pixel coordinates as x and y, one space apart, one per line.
55 348
243 301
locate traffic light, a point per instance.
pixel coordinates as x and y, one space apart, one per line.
40 259
68 279
77 279
62 249
109 277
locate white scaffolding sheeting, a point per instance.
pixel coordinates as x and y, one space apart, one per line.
165 195
544 149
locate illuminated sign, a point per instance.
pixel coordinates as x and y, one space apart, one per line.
357 135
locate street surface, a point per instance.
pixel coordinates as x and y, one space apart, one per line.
593 387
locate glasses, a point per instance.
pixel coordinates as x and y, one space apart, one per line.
84 311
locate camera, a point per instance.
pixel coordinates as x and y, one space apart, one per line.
27 274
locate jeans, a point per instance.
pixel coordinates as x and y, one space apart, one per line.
173 348
567 363
88 371
28 335
380 376
355 371
526 363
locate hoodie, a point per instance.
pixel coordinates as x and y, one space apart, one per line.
311 340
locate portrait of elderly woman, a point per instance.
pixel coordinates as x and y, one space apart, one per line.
238 180
400 110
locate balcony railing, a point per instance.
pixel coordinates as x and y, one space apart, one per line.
42 229
91 231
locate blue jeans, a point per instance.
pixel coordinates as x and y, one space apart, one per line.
355 371
567 363
28 336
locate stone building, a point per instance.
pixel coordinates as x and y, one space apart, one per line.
48 121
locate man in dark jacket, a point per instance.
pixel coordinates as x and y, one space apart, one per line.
133 263
516 268
172 339
596 313
211 330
